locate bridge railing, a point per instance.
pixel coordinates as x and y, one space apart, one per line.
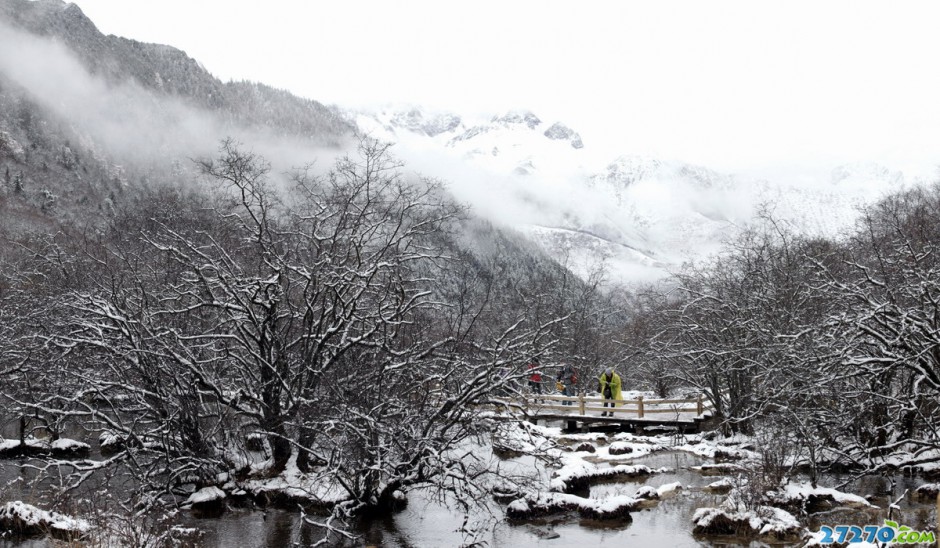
638 408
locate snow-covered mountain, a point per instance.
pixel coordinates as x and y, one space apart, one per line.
638 216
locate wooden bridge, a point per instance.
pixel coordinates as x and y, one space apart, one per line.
689 415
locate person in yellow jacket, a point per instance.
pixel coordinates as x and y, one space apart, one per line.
609 387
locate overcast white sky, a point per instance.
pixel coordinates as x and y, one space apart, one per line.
738 86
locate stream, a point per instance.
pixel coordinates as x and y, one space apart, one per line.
427 523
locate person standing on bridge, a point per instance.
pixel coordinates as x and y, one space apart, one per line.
568 378
535 375
609 387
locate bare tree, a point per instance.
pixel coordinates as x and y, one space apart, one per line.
340 321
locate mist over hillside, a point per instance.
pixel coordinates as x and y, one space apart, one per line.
89 115
638 217
85 116
90 124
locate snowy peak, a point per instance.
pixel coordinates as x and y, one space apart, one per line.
512 118
417 121
497 132
863 172
627 170
511 122
561 132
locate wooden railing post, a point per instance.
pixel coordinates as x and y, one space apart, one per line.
700 406
581 402
639 407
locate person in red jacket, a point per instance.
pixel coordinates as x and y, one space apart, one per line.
535 375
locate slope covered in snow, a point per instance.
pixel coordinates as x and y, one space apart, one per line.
637 217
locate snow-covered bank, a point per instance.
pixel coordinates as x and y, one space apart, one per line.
292 487
616 507
805 497
766 522
25 520
576 473
35 447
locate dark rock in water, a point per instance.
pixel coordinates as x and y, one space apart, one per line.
13 449
68 448
720 469
208 502
111 442
766 524
927 492
585 447
546 533
722 455
720 487
505 493
620 448
533 506
646 493
62 448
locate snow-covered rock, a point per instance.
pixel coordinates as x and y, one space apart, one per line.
927 491
810 499
111 442
615 507
766 522
585 447
293 486
206 495
669 489
723 449
65 447
577 472
620 448
718 469
647 493
721 486
30 447
21 519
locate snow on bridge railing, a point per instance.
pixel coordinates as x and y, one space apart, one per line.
639 407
